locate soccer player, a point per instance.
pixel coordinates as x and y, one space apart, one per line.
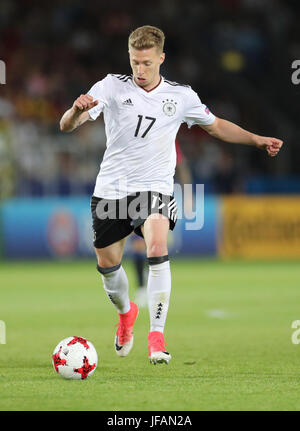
142 114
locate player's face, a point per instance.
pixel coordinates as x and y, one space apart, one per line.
145 65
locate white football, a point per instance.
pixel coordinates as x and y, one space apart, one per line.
75 358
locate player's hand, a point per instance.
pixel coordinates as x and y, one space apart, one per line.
271 145
84 103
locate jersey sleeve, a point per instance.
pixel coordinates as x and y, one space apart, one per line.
101 92
196 112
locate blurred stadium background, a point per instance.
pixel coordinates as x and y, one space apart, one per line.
236 54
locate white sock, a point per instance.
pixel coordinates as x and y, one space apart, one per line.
159 289
116 286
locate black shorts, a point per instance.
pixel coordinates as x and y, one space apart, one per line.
116 219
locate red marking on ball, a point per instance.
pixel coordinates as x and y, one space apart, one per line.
57 360
80 340
85 369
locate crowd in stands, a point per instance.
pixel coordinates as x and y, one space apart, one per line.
235 53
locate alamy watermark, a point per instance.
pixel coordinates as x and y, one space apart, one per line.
2 72
296 74
187 206
296 334
2 332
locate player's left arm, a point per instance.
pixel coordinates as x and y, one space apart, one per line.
230 132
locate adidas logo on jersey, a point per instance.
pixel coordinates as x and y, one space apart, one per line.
128 102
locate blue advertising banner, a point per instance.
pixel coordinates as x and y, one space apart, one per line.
62 228
197 236
47 227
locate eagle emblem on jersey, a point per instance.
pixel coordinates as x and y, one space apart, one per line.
169 107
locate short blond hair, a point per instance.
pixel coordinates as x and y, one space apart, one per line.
146 37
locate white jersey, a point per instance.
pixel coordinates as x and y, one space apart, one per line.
141 128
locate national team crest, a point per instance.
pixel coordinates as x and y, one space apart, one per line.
169 107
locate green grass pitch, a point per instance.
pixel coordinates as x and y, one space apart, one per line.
228 330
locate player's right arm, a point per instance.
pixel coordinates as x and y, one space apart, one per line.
78 113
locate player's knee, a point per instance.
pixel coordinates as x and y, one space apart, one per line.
157 249
107 262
